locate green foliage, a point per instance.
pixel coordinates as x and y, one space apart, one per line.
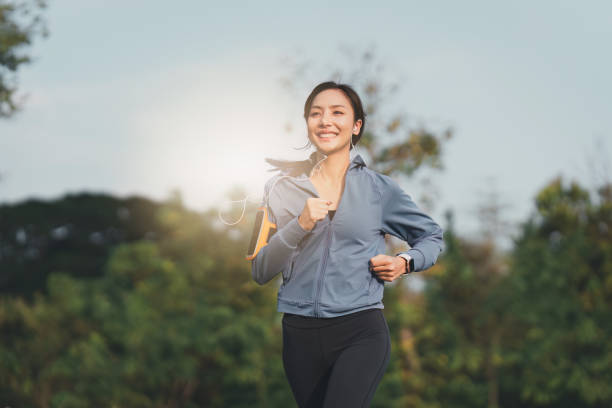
463 322
74 234
176 321
531 329
20 22
563 296
154 330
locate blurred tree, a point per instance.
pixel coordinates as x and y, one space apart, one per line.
173 323
460 341
74 234
20 22
562 285
174 320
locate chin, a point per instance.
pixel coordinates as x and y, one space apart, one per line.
332 149
328 148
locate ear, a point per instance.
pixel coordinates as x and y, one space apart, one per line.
357 126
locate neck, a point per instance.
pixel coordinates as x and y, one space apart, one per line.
333 168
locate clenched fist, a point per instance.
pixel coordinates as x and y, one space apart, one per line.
314 210
388 267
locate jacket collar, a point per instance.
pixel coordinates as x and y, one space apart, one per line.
357 161
304 167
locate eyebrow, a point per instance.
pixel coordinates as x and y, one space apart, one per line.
332 106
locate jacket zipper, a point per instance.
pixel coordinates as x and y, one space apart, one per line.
322 272
317 306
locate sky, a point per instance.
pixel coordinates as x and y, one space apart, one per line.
150 97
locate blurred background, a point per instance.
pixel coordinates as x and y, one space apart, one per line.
132 145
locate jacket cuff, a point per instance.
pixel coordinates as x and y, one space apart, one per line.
292 233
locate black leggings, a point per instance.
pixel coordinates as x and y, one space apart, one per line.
338 361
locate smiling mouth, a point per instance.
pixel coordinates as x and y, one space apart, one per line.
326 136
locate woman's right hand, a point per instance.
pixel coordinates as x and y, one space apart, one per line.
314 210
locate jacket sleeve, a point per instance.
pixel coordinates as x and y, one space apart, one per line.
402 218
273 258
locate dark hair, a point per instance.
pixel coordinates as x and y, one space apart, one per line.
297 166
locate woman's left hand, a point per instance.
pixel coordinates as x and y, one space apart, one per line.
388 267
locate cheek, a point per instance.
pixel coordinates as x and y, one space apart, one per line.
343 123
311 125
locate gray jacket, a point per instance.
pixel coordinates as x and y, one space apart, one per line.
326 270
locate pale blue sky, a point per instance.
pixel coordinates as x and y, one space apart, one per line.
143 97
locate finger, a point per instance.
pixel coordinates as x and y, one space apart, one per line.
380 259
320 213
383 267
321 208
389 278
322 201
318 217
317 204
385 273
388 271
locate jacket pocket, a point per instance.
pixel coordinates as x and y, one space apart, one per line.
289 271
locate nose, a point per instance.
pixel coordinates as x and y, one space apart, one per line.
325 118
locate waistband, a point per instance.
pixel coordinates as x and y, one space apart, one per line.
310 322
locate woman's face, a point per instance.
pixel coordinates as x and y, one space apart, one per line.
330 121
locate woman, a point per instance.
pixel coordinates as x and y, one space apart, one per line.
331 213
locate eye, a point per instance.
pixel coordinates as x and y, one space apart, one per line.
314 113
340 112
